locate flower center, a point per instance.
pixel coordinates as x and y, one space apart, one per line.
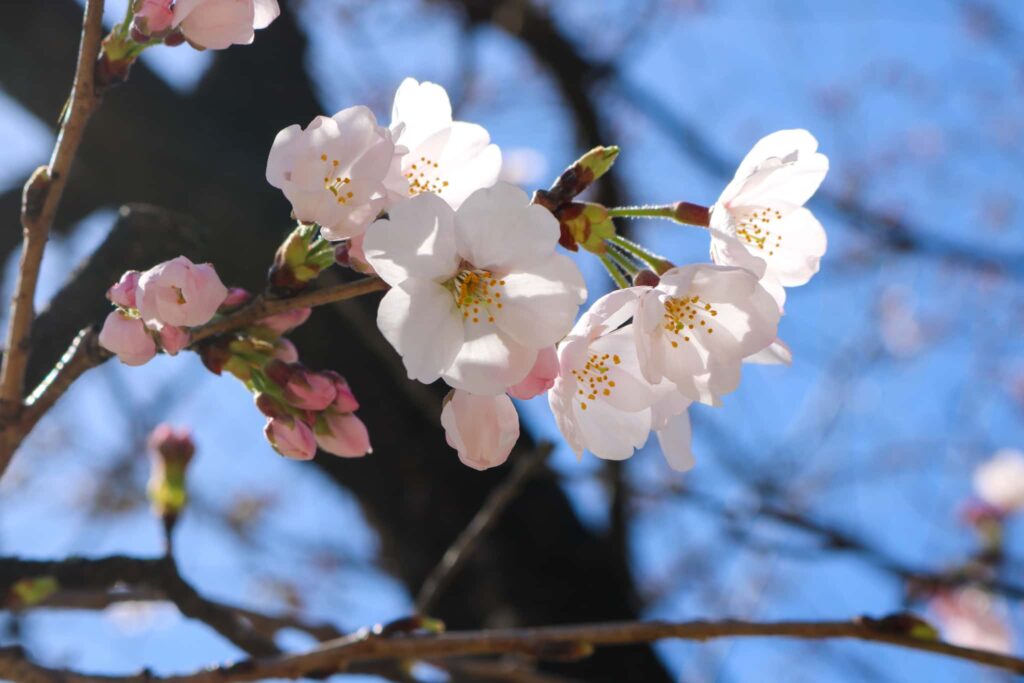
181 295
594 378
423 176
335 183
477 294
685 315
754 231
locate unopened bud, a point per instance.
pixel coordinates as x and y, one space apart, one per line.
577 177
345 401
692 214
299 260
122 293
291 438
171 451
589 225
646 278
301 387
236 298
270 406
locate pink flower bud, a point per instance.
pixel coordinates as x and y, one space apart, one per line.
123 293
179 292
286 320
541 377
483 429
128 338
345 401
217 24
291 438
270 406
343 435
237 297
152 16
351 255
285 351
172 338
302 388
173 445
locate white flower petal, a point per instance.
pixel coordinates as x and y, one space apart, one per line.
674 440
609 433
416 241
419 111
540 303
483 429
419 319
498 229
488 361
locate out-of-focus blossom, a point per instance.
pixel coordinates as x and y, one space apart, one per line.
290 437
970 617
1000 481
898 324
476 292
759 222
285 351
217 24
236 298
179 292
286 320
342 434
695 328
449 158
128 338
541 378
523 166
482 429
172 450
333 171
123 292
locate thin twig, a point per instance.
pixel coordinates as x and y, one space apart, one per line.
541 642
466 542
41 198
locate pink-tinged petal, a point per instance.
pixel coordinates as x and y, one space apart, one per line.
560 400
216 24
420 320
541 378
285 351
488 361
540 302
288 145
497 228
419 111
343 435
416 241
482 429
127 338
265 13
173 339
674 439
290 437
123 292
179 292
344 400
777 353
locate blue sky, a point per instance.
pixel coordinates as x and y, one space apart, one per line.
920 117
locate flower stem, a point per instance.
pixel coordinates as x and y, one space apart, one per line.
614 271
624 260
658 264
667 211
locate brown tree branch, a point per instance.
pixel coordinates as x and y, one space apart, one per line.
541 642
40 200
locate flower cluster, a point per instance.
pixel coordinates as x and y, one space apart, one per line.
158 306
480 297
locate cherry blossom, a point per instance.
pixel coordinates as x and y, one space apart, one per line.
449 158
759 222
973 618
127 337
475 293
217 24
482 429
695 328
1000 481
602 402
333 171
179 292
